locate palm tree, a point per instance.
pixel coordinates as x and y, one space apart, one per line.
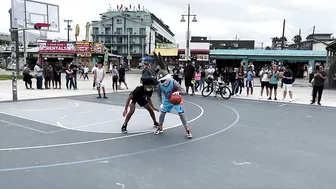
297 39
267 48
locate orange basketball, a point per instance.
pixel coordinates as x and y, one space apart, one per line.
175 99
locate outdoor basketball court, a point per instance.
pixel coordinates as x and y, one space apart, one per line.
75 143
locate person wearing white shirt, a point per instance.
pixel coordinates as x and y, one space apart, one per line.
39 76
85 72
99 75
265 80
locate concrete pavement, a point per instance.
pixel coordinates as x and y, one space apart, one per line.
301 90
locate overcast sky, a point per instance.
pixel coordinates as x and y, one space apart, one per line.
219 19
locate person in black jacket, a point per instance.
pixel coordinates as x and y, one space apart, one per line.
232 79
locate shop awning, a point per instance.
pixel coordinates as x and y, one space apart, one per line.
166 52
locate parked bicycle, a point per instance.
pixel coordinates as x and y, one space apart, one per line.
221 89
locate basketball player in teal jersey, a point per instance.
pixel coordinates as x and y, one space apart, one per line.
168 86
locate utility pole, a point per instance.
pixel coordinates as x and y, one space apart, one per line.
262 45
142 49
15 56
283 34
313 30
129 57
301 38
68 28
187 51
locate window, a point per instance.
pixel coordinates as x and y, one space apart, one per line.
95 30
119 21
130 30
142 31
107 30
147 17
119 49
119 39
108 40
119 30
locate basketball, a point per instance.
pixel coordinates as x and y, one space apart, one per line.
175 99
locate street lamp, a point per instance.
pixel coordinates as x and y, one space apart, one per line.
188 30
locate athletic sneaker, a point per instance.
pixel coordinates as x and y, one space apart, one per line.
124 129
156 125
159 130
189 136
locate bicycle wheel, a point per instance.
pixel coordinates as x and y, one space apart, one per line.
207 91
225 92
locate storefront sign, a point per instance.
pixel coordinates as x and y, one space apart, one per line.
56 47
202 57
84 54
83 47
97 48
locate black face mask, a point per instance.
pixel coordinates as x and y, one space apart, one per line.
162 81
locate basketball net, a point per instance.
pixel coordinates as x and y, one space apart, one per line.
43 35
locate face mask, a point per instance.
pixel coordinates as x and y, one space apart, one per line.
162 81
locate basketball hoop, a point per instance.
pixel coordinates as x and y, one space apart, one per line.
38 26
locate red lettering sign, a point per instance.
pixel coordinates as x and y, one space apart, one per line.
57 47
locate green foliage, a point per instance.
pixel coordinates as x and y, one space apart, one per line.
9 77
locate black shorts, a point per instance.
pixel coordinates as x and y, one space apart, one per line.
187 82
121 78
141 101
265 84
273 86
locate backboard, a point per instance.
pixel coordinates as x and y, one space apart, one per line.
26 13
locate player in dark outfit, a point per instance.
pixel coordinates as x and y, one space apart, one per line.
141 95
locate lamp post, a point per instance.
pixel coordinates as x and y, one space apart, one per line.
188 30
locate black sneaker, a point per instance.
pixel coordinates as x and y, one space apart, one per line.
124 129
269 98
275 99
98 96
156 125
105 97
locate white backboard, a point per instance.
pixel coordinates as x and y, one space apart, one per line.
26 13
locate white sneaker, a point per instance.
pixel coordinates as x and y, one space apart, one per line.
260 97
290 100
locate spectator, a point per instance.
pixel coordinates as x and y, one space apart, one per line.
250 75
287 80
274 79
189 75
265 80
318 84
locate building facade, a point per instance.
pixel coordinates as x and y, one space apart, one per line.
313 42
142 29
224 44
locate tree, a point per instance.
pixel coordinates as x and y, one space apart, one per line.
267 48
297 39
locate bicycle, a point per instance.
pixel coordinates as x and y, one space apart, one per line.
221 88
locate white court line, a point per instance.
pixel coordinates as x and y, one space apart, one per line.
282 105
48 110
89 125
22 126
100 140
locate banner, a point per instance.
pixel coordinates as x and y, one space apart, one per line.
56 47
166 46
83 47
97 48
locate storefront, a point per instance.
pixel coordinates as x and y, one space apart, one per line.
83 54
97 51
198 56
54 52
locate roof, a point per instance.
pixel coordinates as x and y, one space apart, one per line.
269 52
166 27
200 51
166 52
